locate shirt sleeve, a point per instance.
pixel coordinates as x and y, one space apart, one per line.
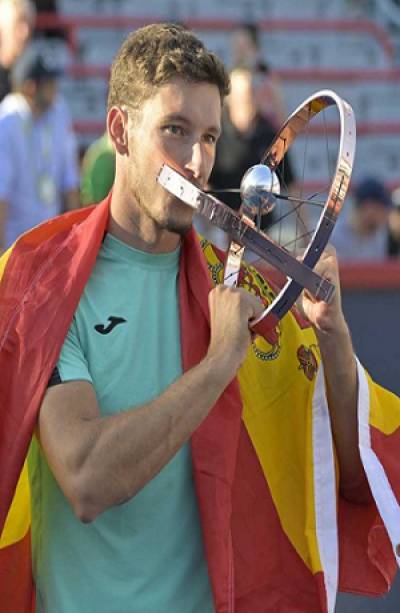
72 364
7 163
70 170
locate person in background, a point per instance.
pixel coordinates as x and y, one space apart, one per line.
394 225
98 171
245 136
364 233
246 51
16 25
39 175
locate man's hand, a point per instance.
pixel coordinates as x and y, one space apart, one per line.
325 318
231 310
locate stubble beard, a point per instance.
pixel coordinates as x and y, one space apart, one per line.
178 219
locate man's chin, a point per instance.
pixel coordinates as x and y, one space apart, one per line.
181 219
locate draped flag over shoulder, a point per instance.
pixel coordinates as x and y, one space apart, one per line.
276 537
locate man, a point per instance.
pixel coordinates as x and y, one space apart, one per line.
364 233
16 24
38 160
394 225
246 51
146 365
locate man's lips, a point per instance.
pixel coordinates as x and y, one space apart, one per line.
196 182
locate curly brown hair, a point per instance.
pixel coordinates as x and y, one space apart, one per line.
153 55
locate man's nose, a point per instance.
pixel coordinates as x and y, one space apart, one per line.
197 163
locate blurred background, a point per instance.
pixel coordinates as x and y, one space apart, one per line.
351 46
292 49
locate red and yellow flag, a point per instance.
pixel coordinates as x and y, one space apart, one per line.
276 537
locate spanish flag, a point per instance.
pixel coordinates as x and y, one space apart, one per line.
278 538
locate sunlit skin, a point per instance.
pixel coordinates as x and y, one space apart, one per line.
16 25
179 124
241 101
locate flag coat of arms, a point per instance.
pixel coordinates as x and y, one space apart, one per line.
277 535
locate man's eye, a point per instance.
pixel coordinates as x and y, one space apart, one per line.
210 139
174 130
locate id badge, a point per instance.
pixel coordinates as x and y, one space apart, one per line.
47 190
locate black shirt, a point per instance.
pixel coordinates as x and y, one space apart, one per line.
393 246
238 151
5 83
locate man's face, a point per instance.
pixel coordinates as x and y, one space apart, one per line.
46 92
15 31
372 216
243 48
180 124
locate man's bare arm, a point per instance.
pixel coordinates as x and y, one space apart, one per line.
342 388
103 461
341 381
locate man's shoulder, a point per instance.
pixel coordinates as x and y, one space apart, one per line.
12 113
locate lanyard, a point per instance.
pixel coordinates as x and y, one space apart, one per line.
38 133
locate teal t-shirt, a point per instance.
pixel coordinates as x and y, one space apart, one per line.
145 556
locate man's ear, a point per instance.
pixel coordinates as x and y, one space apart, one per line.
117 126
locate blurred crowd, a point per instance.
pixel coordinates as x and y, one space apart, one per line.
42 173
39 170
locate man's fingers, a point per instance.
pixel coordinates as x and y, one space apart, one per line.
254 304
